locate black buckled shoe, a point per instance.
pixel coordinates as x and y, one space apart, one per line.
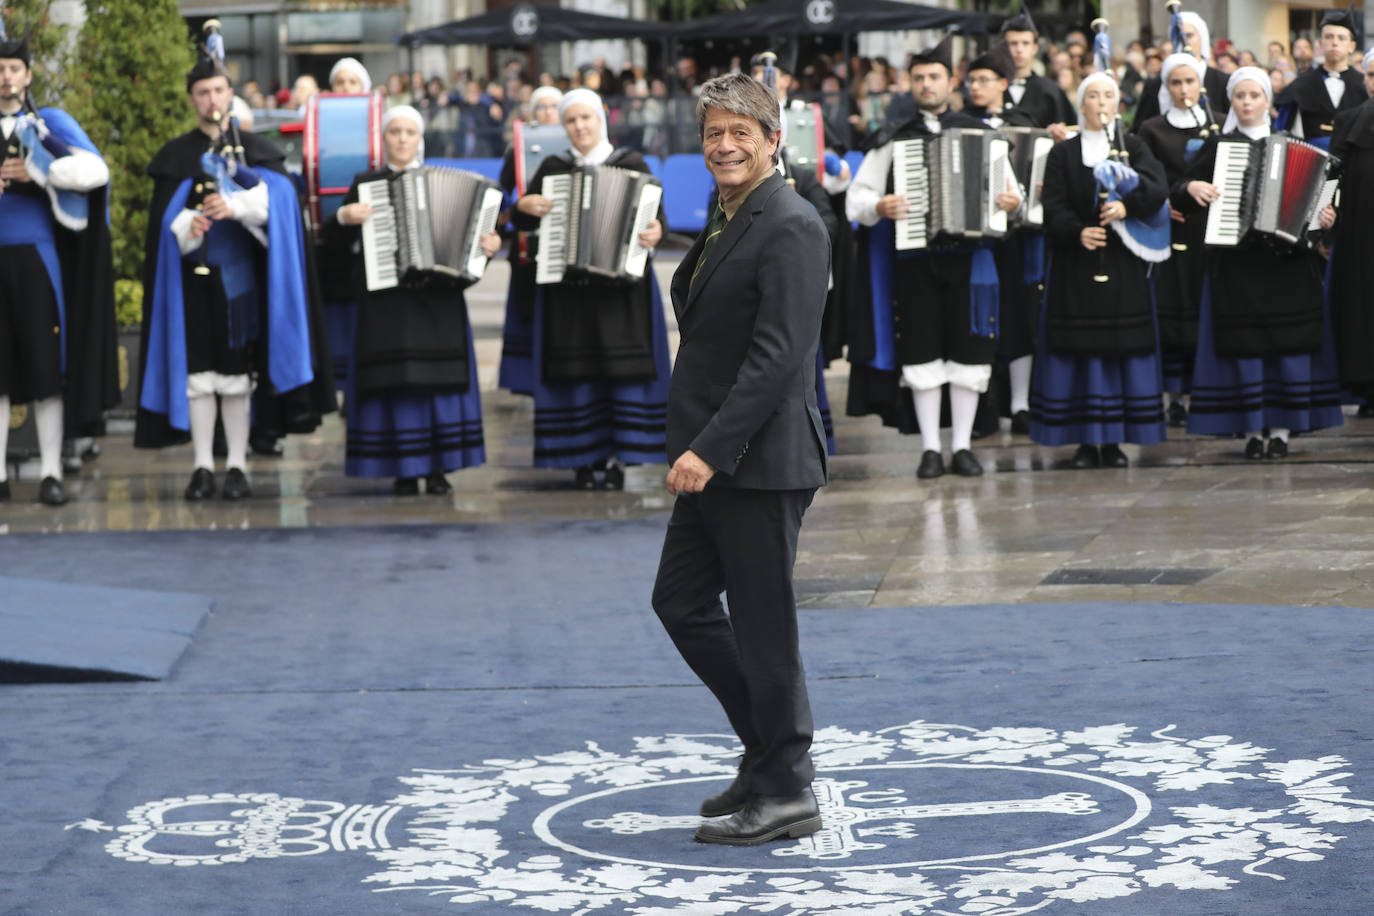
932 465
1086 458
615 478
1177 415
735 797
236 485
406 486
436 484
585 478
50 492
764 818
1277 449
1254 449
965 465
1020 423
1114 457
202 485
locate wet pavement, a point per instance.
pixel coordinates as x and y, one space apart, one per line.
1189 521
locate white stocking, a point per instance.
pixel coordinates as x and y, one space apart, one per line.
202 409
234 412
4 437
1020 371
963 407
927 403
47 416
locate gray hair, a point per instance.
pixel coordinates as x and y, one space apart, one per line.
740 94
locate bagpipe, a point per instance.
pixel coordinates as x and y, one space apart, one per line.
224 171
1148 237
40 148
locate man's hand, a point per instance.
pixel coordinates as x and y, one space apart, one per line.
689 474
217 207
1059 131
892 206
354 214
13 170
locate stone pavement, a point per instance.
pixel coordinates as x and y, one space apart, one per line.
1189 521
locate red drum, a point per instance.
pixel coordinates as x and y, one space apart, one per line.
804 137
343 136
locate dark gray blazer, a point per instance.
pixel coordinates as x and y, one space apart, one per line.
743 392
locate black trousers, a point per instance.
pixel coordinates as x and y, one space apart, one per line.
30 338
743 542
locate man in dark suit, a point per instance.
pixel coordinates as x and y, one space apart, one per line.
748 452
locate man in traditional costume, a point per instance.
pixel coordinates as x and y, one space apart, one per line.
229 299
56 283
1308 106
1037 96
931 318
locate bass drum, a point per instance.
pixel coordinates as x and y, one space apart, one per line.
343 136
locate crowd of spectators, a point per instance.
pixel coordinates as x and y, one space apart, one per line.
471 115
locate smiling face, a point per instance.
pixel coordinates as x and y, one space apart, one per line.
402 139
583 125
1249 103
1183 86
737 152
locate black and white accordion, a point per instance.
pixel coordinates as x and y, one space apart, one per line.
1030 150
429 218
1276 187
951 182
594 225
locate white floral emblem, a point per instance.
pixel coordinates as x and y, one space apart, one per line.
921 818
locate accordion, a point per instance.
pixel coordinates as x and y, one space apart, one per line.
1276 187
951 182
1030 150
427 219
593 228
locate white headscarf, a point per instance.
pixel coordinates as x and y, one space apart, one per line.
1196 22
1238 77
1368 59
602 151
351 63
1096 141
407 111
544 92
1194 115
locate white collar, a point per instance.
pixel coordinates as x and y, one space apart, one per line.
1097 145
1258 132
596 155
1186 118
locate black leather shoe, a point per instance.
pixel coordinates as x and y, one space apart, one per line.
202 485
763 818
1114 457
1086 458
1277 449
585 478
1177 414
406 486
1254 449
50 492
1020 423
4 489
932 465
436 484
735 797
236 485
266 446
615 478
965 465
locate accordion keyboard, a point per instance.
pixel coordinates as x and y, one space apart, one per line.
1224 214
379 236
911 180
550 262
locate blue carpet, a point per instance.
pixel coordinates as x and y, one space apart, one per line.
81 633
489 720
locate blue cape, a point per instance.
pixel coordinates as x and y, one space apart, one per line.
882 256
288 330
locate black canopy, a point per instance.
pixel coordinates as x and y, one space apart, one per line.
528 24
829 17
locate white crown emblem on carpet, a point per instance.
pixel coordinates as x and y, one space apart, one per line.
936 818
